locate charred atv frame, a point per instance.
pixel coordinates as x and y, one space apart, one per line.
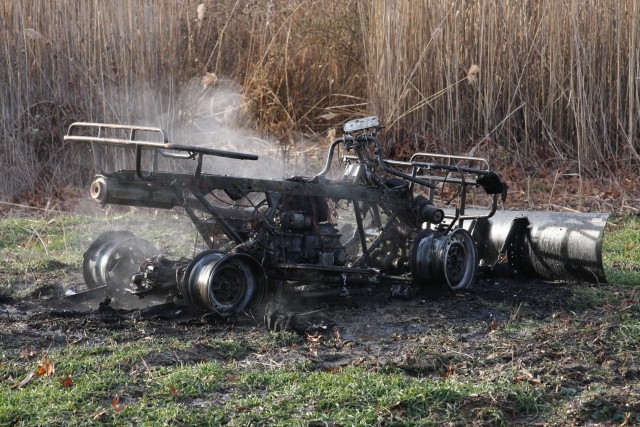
264 235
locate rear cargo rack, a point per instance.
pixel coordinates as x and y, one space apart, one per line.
103 134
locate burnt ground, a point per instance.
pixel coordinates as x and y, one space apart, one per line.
567 342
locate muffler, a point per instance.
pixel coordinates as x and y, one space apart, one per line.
550 245
135 193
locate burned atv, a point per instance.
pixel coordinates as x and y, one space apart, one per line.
376 223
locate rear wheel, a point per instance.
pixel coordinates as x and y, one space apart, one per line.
113 258
225 284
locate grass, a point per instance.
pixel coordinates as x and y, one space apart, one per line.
573 364
32 248
621 249
215 392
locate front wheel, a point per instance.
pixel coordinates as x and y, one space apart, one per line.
444 259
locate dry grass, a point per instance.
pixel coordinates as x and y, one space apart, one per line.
537 83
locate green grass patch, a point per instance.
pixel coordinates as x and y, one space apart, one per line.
621 250
41 245
212 392
585 297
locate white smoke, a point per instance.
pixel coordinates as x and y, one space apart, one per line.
213 113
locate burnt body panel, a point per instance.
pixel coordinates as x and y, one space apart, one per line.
551 245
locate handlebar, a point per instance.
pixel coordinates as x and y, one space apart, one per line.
360 143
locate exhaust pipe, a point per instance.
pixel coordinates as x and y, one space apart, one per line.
109 191
549 245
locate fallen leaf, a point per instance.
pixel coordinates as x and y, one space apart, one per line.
45 368
28 354
98 415
451 371
117 406
24 381
67 382
526 376
173 390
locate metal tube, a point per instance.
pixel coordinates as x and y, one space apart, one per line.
109 191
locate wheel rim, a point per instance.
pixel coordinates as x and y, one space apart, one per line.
230 284
113 258
444 259
455 262
223 284
461 259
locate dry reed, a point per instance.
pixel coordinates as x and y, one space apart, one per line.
558 78
553 80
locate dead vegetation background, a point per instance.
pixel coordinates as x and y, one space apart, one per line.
548 90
